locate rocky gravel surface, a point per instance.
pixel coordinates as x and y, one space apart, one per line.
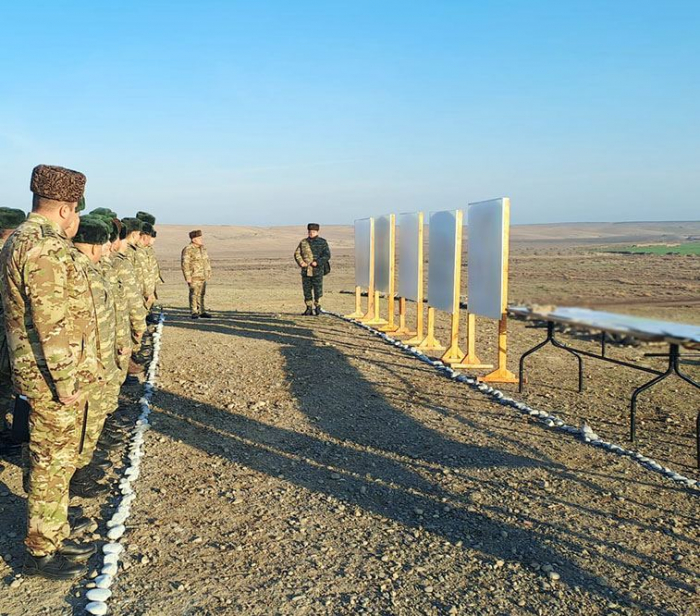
300 466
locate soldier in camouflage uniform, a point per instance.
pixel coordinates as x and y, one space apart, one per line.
196 268
313 257
10 219
51 340
112 353
151 270
134 254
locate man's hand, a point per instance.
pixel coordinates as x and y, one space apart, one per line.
67 401
314 264
303 264
189 283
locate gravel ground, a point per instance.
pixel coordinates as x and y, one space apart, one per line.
299 466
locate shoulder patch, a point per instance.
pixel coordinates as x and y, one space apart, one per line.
48 231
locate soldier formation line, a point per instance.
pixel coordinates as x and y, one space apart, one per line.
78 309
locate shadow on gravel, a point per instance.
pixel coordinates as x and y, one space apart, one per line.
377 458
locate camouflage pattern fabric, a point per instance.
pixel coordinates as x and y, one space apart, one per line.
131 312
195 263
137 257
51 338
197 290
5 378
55 431
152 270
310 250
313 290
100 395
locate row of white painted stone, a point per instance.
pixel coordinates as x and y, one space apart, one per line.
584 432
116 525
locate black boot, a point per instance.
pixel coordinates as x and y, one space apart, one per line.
79 525
205 315
318 311
87 487
54 567
76 552
308 312
194 316
88 472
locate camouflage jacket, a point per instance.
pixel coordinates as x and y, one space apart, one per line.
310 250
136 255
195 263
49 319
152 269
105 314
129 299
123 326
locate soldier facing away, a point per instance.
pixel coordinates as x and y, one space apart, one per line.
196 268
51 341
313 257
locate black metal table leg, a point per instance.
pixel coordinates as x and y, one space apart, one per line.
639 390
537 347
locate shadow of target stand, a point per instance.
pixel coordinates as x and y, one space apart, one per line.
675 335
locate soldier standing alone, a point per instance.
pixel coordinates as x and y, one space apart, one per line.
313 257
196 268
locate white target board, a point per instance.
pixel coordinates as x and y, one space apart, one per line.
444 255
363 251
409 255
486 222
383 253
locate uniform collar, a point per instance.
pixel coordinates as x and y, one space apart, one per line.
42 220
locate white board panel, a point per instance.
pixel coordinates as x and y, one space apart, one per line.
363 251
409 255
485 222
442 259
383 257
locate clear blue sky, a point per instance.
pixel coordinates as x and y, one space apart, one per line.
279 112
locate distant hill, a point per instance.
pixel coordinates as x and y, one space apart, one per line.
226 241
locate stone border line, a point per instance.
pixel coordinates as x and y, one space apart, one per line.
116 528
584 433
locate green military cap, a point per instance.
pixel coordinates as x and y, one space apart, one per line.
313 226
146 217
11 218
57 183
104 212
147 229
116 229
132 224
81 204
92 230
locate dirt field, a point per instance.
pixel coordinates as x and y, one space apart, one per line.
299 466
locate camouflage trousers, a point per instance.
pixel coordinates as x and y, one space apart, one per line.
54 438
313 289
197 290
102 400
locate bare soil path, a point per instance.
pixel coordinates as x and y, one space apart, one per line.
296 466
